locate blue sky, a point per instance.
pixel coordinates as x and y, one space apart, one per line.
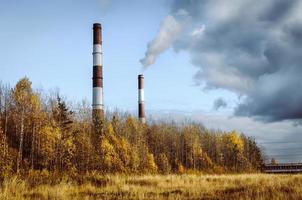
51 43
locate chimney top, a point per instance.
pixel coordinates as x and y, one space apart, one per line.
97 25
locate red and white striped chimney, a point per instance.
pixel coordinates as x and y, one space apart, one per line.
97 79
141 99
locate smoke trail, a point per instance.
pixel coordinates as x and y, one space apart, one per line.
170 29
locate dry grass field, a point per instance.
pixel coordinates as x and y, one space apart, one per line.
244 186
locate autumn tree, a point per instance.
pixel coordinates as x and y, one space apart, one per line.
233 150
5 160
149 165
40 131
191 148
252 153
25 104
5 104
164 166
85 155
65 147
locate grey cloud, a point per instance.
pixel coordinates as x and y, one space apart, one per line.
219 103
276 97
251 48
277 10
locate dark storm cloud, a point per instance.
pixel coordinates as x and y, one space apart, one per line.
277 10
253 48
276 97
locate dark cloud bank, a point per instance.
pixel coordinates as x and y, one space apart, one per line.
253 48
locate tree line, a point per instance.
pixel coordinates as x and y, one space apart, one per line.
41 131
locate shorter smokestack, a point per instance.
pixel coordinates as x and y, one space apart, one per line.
141 99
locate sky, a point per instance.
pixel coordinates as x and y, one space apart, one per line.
226 64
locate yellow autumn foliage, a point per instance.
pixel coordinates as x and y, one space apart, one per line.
234 141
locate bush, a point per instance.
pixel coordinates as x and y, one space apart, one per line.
164 166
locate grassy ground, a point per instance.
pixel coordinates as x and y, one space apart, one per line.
246 186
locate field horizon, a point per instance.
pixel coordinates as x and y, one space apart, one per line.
172 186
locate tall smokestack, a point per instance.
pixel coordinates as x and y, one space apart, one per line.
141 99
97 79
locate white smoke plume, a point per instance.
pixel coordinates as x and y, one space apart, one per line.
170 29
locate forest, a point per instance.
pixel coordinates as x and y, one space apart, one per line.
42 132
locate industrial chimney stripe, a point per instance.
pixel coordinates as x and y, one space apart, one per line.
141 96
141 99
97 55
97 33
97 78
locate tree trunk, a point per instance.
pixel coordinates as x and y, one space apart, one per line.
21 142
32 147
5 131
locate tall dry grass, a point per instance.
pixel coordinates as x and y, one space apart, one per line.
245 186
